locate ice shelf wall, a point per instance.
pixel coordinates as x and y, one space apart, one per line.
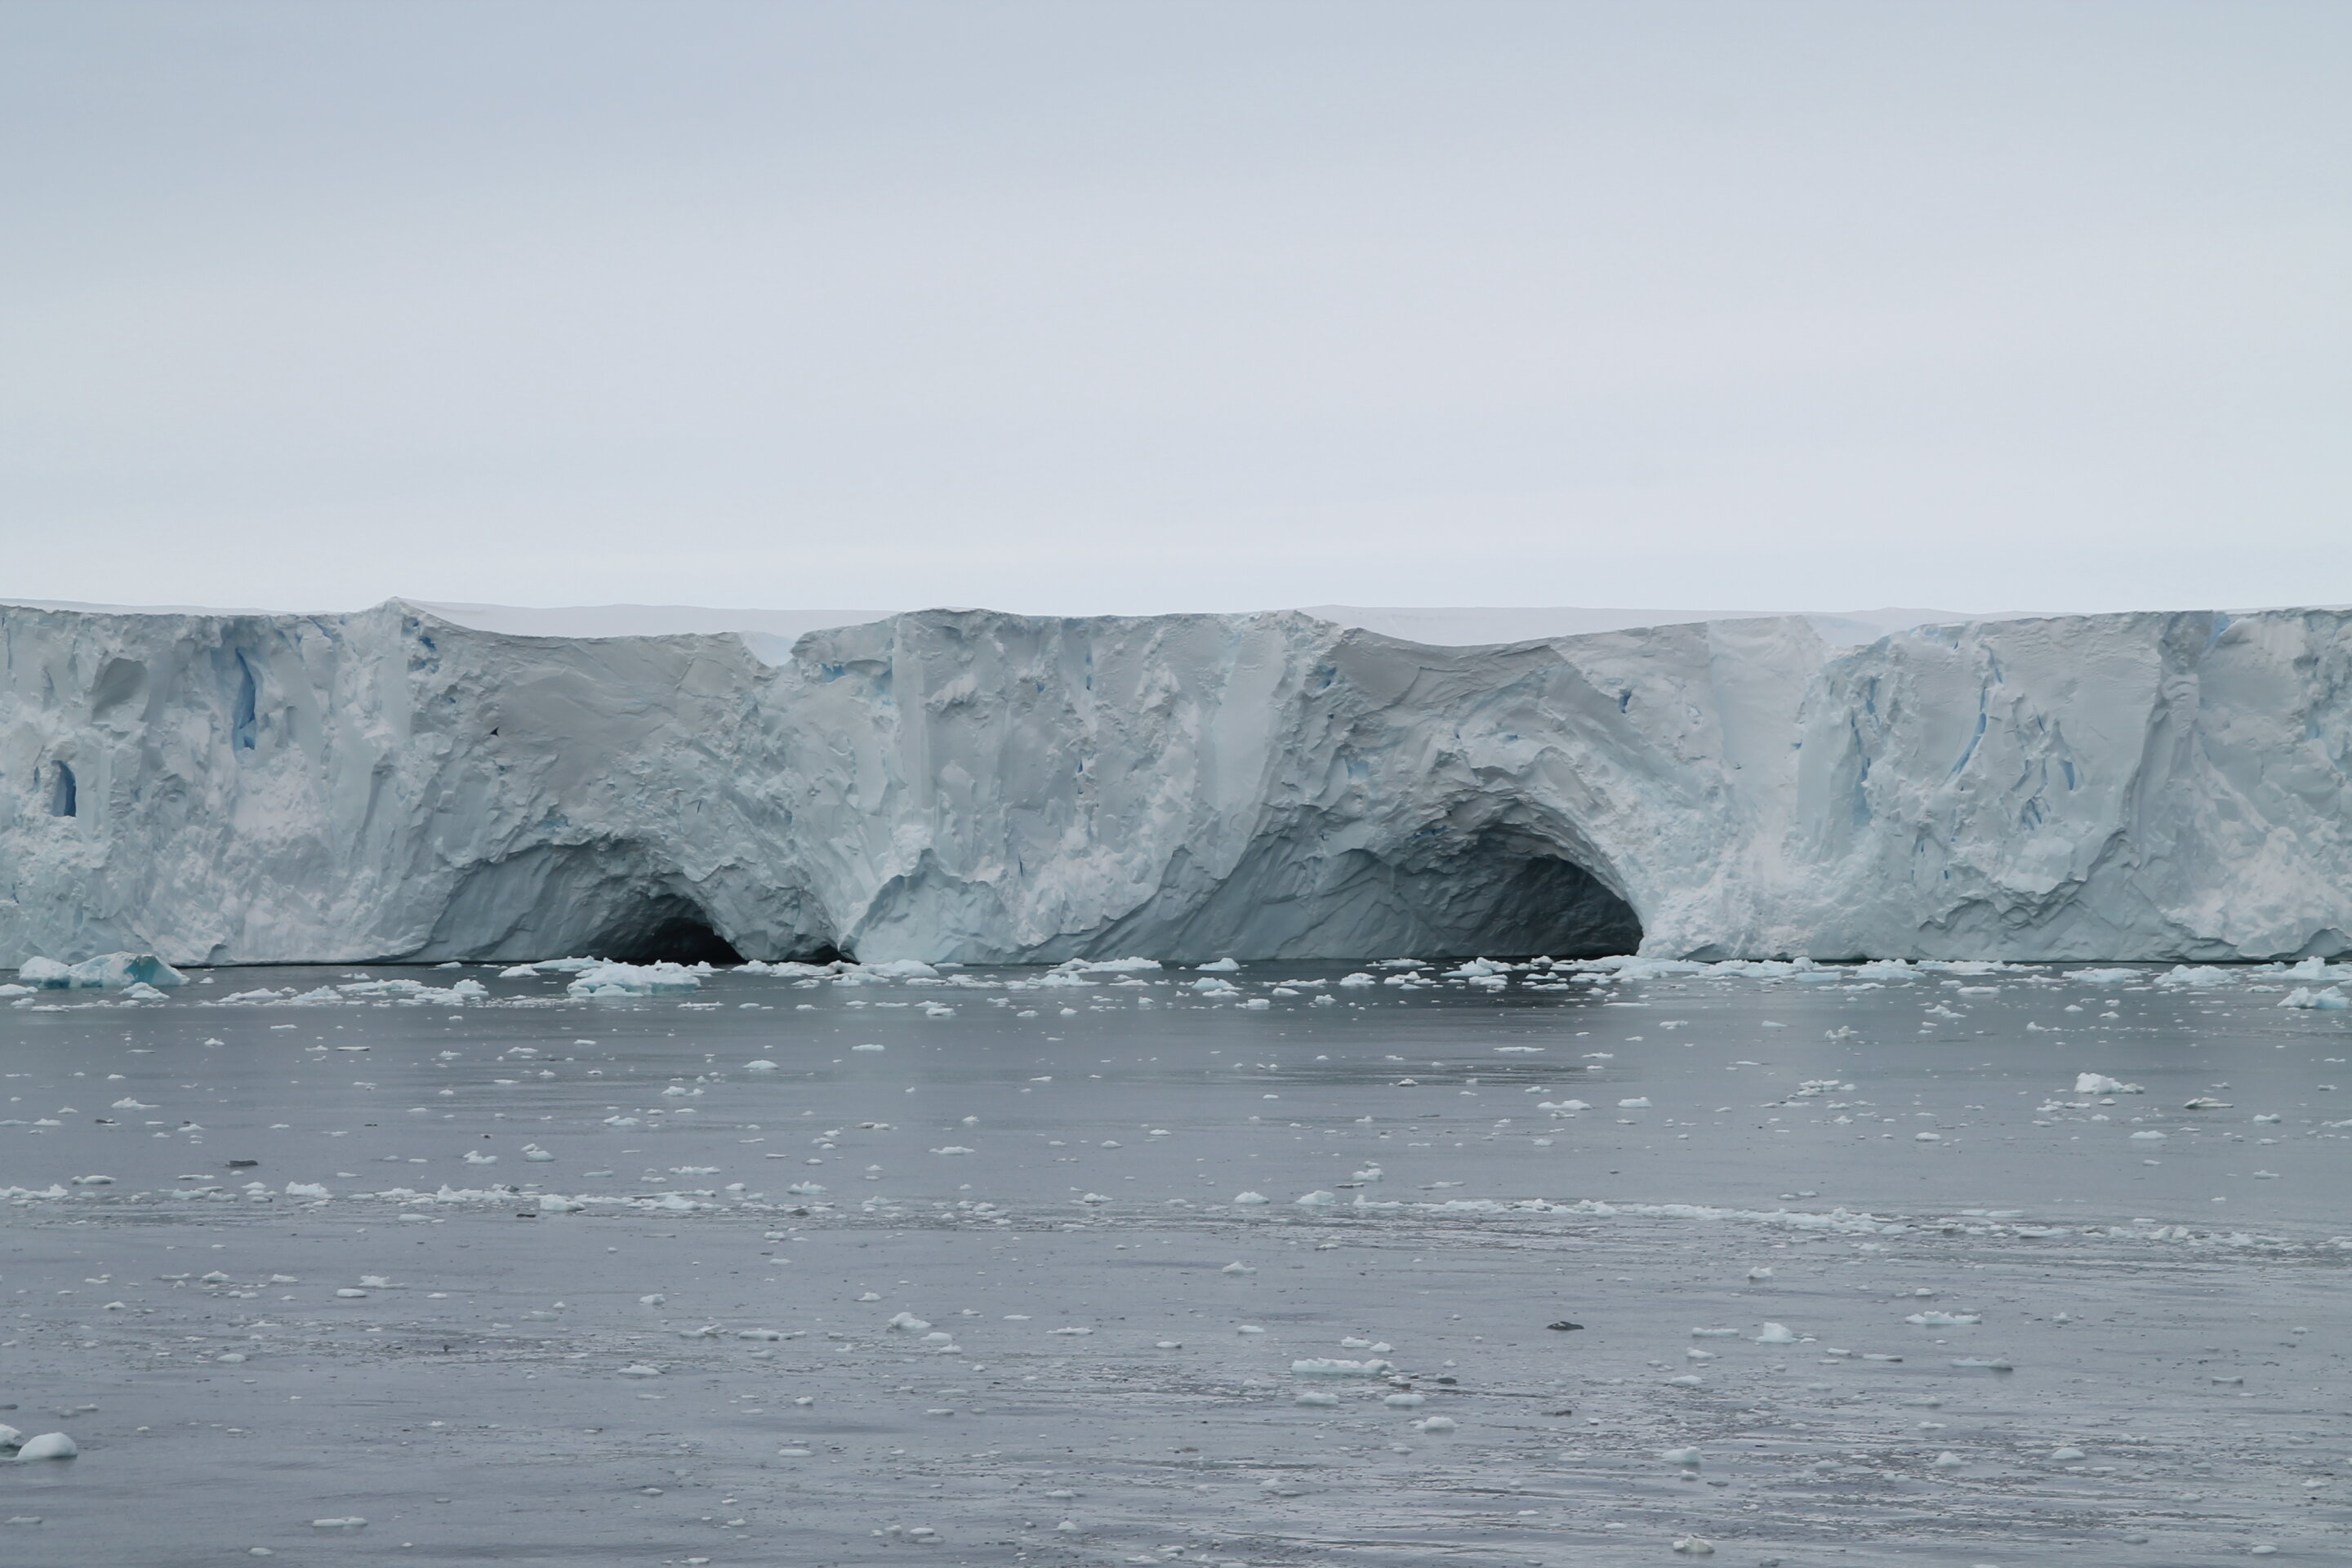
977 786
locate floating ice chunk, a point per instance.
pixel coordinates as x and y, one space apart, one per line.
1333 1367
352 1522
1639 1102
49 1446
1436 1425
866 1047
307 1190
1776 1334
1927 1137
93 1181
900 969
1405 1401
1316 1200
1693 1546
1358 978
761 1066
2330 1000
1947 1460
1247 1199
638 1369
534 1152
1214 986
1759 1272
1943 1319
9 1437
1688 1458
1219 966
907 1322
2066 1456
1319 1400
2099 1083
2148 1137
634 980
1686 1380
1237 1268
108 972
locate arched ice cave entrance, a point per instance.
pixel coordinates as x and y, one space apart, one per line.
672 931
1502 893
1447 890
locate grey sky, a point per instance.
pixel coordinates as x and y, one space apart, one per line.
1138 307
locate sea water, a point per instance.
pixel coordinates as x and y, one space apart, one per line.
1014 1266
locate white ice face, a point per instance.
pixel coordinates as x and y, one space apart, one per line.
969 786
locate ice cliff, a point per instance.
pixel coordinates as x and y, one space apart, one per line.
969 785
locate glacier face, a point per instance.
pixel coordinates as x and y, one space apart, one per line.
976 786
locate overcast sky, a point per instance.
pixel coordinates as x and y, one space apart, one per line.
1133 307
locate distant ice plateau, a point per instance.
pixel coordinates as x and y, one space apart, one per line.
463 782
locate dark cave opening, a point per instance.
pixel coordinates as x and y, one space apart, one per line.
1505 893
673 934
1546 905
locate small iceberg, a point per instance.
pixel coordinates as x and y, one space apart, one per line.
108 971
634 980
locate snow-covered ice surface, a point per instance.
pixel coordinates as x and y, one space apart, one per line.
278 1259
973 786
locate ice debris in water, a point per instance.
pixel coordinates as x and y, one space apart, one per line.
634 980
1693 1546
2099 1083
108 972
1252 1198
49 1446
1332 1366
2330 1000
1776 1334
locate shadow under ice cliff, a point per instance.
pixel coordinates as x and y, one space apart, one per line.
976 786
